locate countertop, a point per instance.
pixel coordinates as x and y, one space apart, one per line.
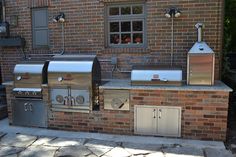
126 84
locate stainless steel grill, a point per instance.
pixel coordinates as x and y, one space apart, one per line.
28 108
153 75
73 82
201 62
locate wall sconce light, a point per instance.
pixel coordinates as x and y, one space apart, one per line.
59 18
172 12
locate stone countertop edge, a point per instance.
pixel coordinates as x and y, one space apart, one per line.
126 84
9 83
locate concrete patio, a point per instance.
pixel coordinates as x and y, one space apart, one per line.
37 142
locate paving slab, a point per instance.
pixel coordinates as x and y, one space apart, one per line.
17 140
38 151
73 151
136 149
43 140
64 142
210 152
2 134
117 152
9 150
183 151
100 144
156 154
99 151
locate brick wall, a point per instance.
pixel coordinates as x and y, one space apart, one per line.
84 32
204 114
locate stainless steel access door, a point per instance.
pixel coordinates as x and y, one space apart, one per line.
31 112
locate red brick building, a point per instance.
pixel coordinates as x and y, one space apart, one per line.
137 32
86 31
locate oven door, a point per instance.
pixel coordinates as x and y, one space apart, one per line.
29 112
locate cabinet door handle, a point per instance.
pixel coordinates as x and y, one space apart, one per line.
25 107
30 107
159 113
154 113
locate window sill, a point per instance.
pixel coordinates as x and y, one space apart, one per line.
126 50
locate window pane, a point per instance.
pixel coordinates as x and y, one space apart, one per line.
125 10
138 38
114 38
137 25
125 38
137 9
114 11
114 26
125 27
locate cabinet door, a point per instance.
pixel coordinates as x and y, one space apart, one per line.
38 113
20 114
145 120
169 121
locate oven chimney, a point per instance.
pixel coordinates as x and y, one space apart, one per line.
199 27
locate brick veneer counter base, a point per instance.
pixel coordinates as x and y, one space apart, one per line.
204 110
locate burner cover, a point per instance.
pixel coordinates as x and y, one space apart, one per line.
59 98
80 99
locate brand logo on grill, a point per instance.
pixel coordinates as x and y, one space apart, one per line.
68 77
155 76
26 76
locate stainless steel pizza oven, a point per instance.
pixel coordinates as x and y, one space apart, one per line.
201 62
73 81
154 75
28 108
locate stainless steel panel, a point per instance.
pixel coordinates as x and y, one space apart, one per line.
200 69
29 113
68 79
145 120
55 95
200 47
116 99
81 97
169 121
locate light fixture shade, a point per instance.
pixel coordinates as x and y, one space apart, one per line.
167 15
59 18
172 12
177 13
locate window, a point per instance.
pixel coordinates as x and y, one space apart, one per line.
126 25
40 28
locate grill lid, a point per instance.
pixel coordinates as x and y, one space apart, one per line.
28 68
156 75
72 64
70 67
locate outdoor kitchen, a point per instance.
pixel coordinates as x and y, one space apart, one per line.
168 88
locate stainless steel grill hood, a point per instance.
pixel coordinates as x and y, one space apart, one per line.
153 75
200 62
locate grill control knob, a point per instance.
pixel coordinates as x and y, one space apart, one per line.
34 93
27 93
80 99
19 93
18 78
60 79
